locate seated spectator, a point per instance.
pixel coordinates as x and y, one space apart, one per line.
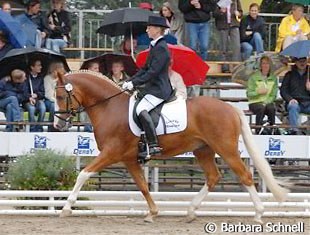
176 21
59 25
35 95
125 46
293 28
39 20
177 82
252 32
118 74
6 7
50 82
5 46
295 90
92 66
262 91
11 96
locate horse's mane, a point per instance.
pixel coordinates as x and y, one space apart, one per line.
97 74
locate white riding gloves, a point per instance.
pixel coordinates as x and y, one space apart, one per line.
127 86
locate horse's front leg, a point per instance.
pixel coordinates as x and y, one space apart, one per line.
137 174
100 162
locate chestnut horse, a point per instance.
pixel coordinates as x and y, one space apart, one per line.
213 127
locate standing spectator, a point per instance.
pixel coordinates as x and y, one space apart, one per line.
35 93
252 32
262 91
125 46
175 20
197 16
59 25
5 46
50 82
34 14
295 90
11 96
118 74
293 28
6 7
227 23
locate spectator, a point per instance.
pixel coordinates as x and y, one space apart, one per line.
175 20
293 28
6 7
34 14
197 16
5 46
118 74
125 46
59 25
227 23
35 94
11 96
50 82
177 82
262 91
252 32
295 90
92 66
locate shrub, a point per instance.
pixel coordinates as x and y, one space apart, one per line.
42 170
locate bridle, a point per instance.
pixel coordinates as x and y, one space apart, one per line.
70 98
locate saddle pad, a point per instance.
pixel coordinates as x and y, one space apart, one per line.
174 114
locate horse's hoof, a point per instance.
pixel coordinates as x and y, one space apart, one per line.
149 218
190 218
65 213
258 220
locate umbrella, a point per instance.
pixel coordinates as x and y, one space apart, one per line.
301 2
12 28
19 59
298 49
105 63
132 21
243 71
185 61
29 28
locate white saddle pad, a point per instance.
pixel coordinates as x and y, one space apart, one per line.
174 114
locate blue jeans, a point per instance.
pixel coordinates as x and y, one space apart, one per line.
40 109
199 34
55 44
293 114
12 110
50 107
256 43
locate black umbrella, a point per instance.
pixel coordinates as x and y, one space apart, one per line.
125 21
105 63
19 59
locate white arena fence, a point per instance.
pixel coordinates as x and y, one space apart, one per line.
132 203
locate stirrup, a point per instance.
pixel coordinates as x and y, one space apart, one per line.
144 157
155 150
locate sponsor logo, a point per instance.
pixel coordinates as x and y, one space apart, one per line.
275 147
83 146
39 143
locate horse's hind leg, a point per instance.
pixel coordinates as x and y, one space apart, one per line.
205 157
237 165
97 164
137 174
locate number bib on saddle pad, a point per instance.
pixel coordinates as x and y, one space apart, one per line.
173 117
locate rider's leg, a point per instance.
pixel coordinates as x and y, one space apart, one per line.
147 103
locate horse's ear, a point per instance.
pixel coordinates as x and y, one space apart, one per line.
60 77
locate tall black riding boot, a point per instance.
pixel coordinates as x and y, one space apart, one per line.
150 132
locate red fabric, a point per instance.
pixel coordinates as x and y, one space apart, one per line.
146 6
185 61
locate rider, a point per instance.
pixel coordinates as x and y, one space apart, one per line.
154 78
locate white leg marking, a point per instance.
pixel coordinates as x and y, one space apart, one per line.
259 208
196 203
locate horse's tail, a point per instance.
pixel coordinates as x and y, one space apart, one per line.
261 163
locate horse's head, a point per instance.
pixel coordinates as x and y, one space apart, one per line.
66 105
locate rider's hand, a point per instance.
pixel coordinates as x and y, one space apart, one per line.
127 86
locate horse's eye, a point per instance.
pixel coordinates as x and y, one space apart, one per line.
60 97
